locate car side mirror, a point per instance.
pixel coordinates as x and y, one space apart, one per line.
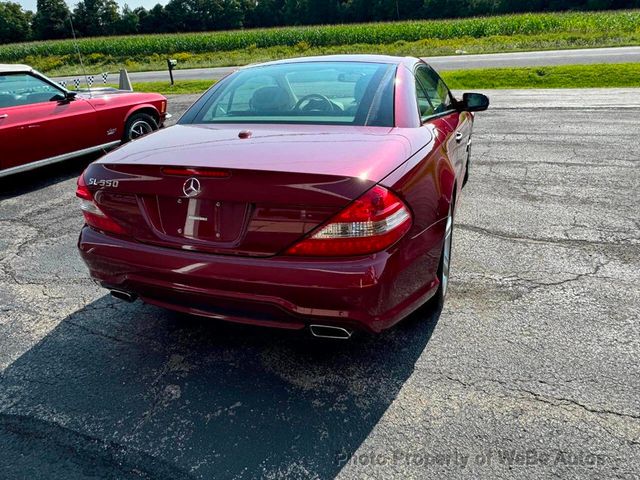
473 102
64 97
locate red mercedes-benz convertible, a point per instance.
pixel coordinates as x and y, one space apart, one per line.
42 123
311 193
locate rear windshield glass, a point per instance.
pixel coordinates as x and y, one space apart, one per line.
311 93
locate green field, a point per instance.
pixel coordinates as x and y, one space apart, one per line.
417 38
567 76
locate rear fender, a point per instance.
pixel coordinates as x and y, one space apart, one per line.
426 181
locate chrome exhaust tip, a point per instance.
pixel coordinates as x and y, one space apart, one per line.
328 331
122 295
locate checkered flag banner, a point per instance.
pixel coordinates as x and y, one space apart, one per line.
90 81
63 83
104 77
76 82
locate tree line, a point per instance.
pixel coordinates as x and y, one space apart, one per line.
53 18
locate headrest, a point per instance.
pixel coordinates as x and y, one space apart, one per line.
361 87
270 99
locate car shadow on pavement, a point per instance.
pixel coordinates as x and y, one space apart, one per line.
122 390
39 178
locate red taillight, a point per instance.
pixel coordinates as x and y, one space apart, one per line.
92 214
370 224
199 172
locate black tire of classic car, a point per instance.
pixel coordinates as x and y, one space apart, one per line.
138 125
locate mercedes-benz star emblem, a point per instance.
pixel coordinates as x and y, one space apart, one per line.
191 187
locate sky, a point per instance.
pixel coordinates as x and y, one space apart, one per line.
31 4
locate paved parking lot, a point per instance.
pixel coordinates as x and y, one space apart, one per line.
530 371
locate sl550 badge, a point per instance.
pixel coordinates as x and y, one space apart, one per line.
103 183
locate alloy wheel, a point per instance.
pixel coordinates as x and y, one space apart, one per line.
139 128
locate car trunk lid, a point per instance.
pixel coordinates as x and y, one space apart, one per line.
206 189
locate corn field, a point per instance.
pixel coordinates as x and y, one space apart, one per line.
606 23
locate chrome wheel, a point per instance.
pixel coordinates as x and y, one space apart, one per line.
446 251
139 128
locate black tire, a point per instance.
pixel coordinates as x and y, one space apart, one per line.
466 172
138 125
437 301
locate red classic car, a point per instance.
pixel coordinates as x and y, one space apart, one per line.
315 192
41 122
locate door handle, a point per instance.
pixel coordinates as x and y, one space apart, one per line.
3 116
459 137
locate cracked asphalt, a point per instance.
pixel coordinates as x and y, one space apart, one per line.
529 371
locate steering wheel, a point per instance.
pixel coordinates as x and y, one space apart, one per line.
314 102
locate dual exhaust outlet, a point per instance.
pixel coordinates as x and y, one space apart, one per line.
318 331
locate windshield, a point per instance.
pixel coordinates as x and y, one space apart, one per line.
349 93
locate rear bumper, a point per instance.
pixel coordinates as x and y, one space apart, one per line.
367 293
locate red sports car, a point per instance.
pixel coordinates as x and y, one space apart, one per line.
42 123
311 193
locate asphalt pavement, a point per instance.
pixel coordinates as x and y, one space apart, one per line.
453 62
529 371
